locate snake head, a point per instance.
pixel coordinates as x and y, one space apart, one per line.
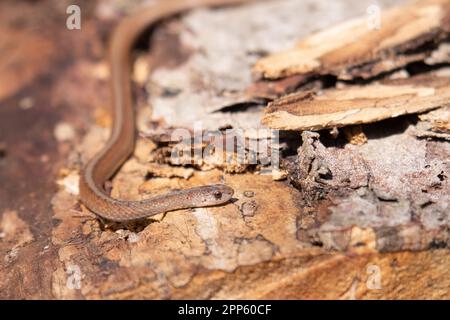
212 195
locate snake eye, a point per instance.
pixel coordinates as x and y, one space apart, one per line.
217 195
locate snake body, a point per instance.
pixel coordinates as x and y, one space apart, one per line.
123 135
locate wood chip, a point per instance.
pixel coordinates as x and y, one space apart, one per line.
434 124
355 135
439 119
339 107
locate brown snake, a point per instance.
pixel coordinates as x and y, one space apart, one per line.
122 139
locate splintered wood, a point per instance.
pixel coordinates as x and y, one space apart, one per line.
358 48
434 124
357 104
362 59
379 200
351 75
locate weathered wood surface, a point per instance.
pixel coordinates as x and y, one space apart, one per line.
393 187
366 46
434 124
273 242
390 193
357 104
386 44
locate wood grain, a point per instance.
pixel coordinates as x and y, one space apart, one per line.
338 107
353 49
